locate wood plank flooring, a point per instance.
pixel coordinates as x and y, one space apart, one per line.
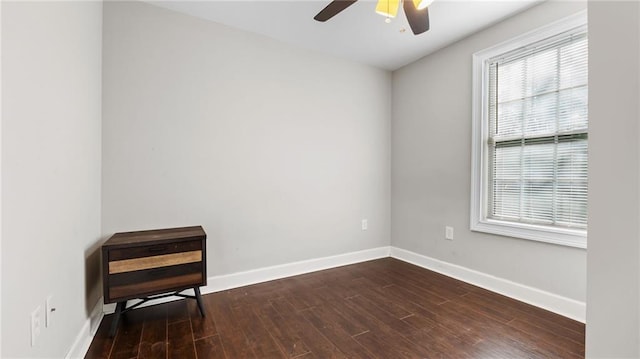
378 309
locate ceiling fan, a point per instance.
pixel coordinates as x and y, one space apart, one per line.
416 11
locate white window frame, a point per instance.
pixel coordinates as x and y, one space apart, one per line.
480 131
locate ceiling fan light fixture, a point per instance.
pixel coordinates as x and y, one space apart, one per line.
417 18
422 4
388 8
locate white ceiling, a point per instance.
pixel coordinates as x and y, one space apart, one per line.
357 33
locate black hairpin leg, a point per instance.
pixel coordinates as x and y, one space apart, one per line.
199 300
116 318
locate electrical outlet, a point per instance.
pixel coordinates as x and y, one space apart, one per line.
365 224
448 233
36 324
49 310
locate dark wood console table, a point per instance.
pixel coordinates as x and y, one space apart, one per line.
153 264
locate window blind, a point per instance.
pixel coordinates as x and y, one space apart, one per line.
538 133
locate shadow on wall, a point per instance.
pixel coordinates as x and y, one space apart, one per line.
93 281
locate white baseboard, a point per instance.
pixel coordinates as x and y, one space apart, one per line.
561 305
83 339
235 280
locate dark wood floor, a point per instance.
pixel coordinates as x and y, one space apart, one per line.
379 309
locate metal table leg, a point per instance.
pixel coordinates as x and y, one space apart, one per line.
199 299
116 318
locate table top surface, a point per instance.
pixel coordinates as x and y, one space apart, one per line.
155 236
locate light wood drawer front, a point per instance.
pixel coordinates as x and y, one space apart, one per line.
142 276
134 264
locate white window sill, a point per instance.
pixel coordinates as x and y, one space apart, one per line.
565 237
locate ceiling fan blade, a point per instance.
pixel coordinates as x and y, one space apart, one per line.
331 10
418 19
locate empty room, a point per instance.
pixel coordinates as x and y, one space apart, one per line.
320 179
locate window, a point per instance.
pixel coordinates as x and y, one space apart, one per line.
530 135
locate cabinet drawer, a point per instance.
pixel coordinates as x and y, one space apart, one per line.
153 250
131 291
154 274
131 284
162 260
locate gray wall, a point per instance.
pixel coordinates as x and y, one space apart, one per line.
613 322
278 152
431 167
51 84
